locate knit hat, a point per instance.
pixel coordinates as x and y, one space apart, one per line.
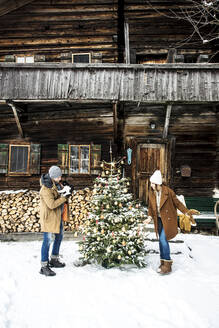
156 178
55 172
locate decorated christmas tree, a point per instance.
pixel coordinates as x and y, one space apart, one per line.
113 232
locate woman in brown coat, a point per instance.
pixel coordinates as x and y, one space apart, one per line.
162 208
51 209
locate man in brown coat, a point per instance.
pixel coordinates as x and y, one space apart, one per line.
162 208
51 208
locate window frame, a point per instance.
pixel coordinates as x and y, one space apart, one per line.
81 53
79 159
12 173
25 59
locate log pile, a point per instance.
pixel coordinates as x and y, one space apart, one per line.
19 212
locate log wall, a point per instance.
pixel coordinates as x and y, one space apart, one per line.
56 124
55 29
152 33
195 130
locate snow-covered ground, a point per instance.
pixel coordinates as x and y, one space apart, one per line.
94 297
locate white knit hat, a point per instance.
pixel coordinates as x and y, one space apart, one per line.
156 178
55 172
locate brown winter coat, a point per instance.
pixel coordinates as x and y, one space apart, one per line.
50 209
168 211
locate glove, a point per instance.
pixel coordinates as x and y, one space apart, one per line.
184 223
190 213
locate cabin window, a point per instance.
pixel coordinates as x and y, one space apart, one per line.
151 59
81 58
79 159
19 159
24 59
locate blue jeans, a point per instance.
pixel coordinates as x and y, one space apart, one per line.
163 243
47 240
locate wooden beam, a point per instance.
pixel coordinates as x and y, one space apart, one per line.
7 6
127 49
18 108
115 121
16 119
167 121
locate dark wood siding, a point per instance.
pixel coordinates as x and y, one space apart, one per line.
56 29
50 125
153 32
195 129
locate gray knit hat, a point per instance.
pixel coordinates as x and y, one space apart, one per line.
55 172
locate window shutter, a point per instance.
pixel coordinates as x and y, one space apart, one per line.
95 159
63 158
35 150
3 158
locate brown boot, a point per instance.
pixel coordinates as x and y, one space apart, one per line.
166 267
161 263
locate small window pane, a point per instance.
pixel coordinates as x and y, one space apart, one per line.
19 159
30 59
81 58
84 165
74 159
21 60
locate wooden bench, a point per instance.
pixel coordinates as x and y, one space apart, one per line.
207 219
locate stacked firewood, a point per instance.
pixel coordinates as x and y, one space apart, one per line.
19 212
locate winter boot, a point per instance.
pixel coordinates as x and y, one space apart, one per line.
161 263
55 263
166 267
47 271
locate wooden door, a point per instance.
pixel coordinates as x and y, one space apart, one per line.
150 157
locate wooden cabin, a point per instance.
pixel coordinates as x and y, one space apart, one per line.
77 76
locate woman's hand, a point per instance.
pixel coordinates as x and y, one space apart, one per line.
148 220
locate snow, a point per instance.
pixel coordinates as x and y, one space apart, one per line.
94 297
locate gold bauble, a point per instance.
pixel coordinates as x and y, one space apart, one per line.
123 243
102 231
129 252
119 257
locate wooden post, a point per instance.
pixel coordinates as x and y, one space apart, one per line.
16 118
115 121
167 121
127 50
